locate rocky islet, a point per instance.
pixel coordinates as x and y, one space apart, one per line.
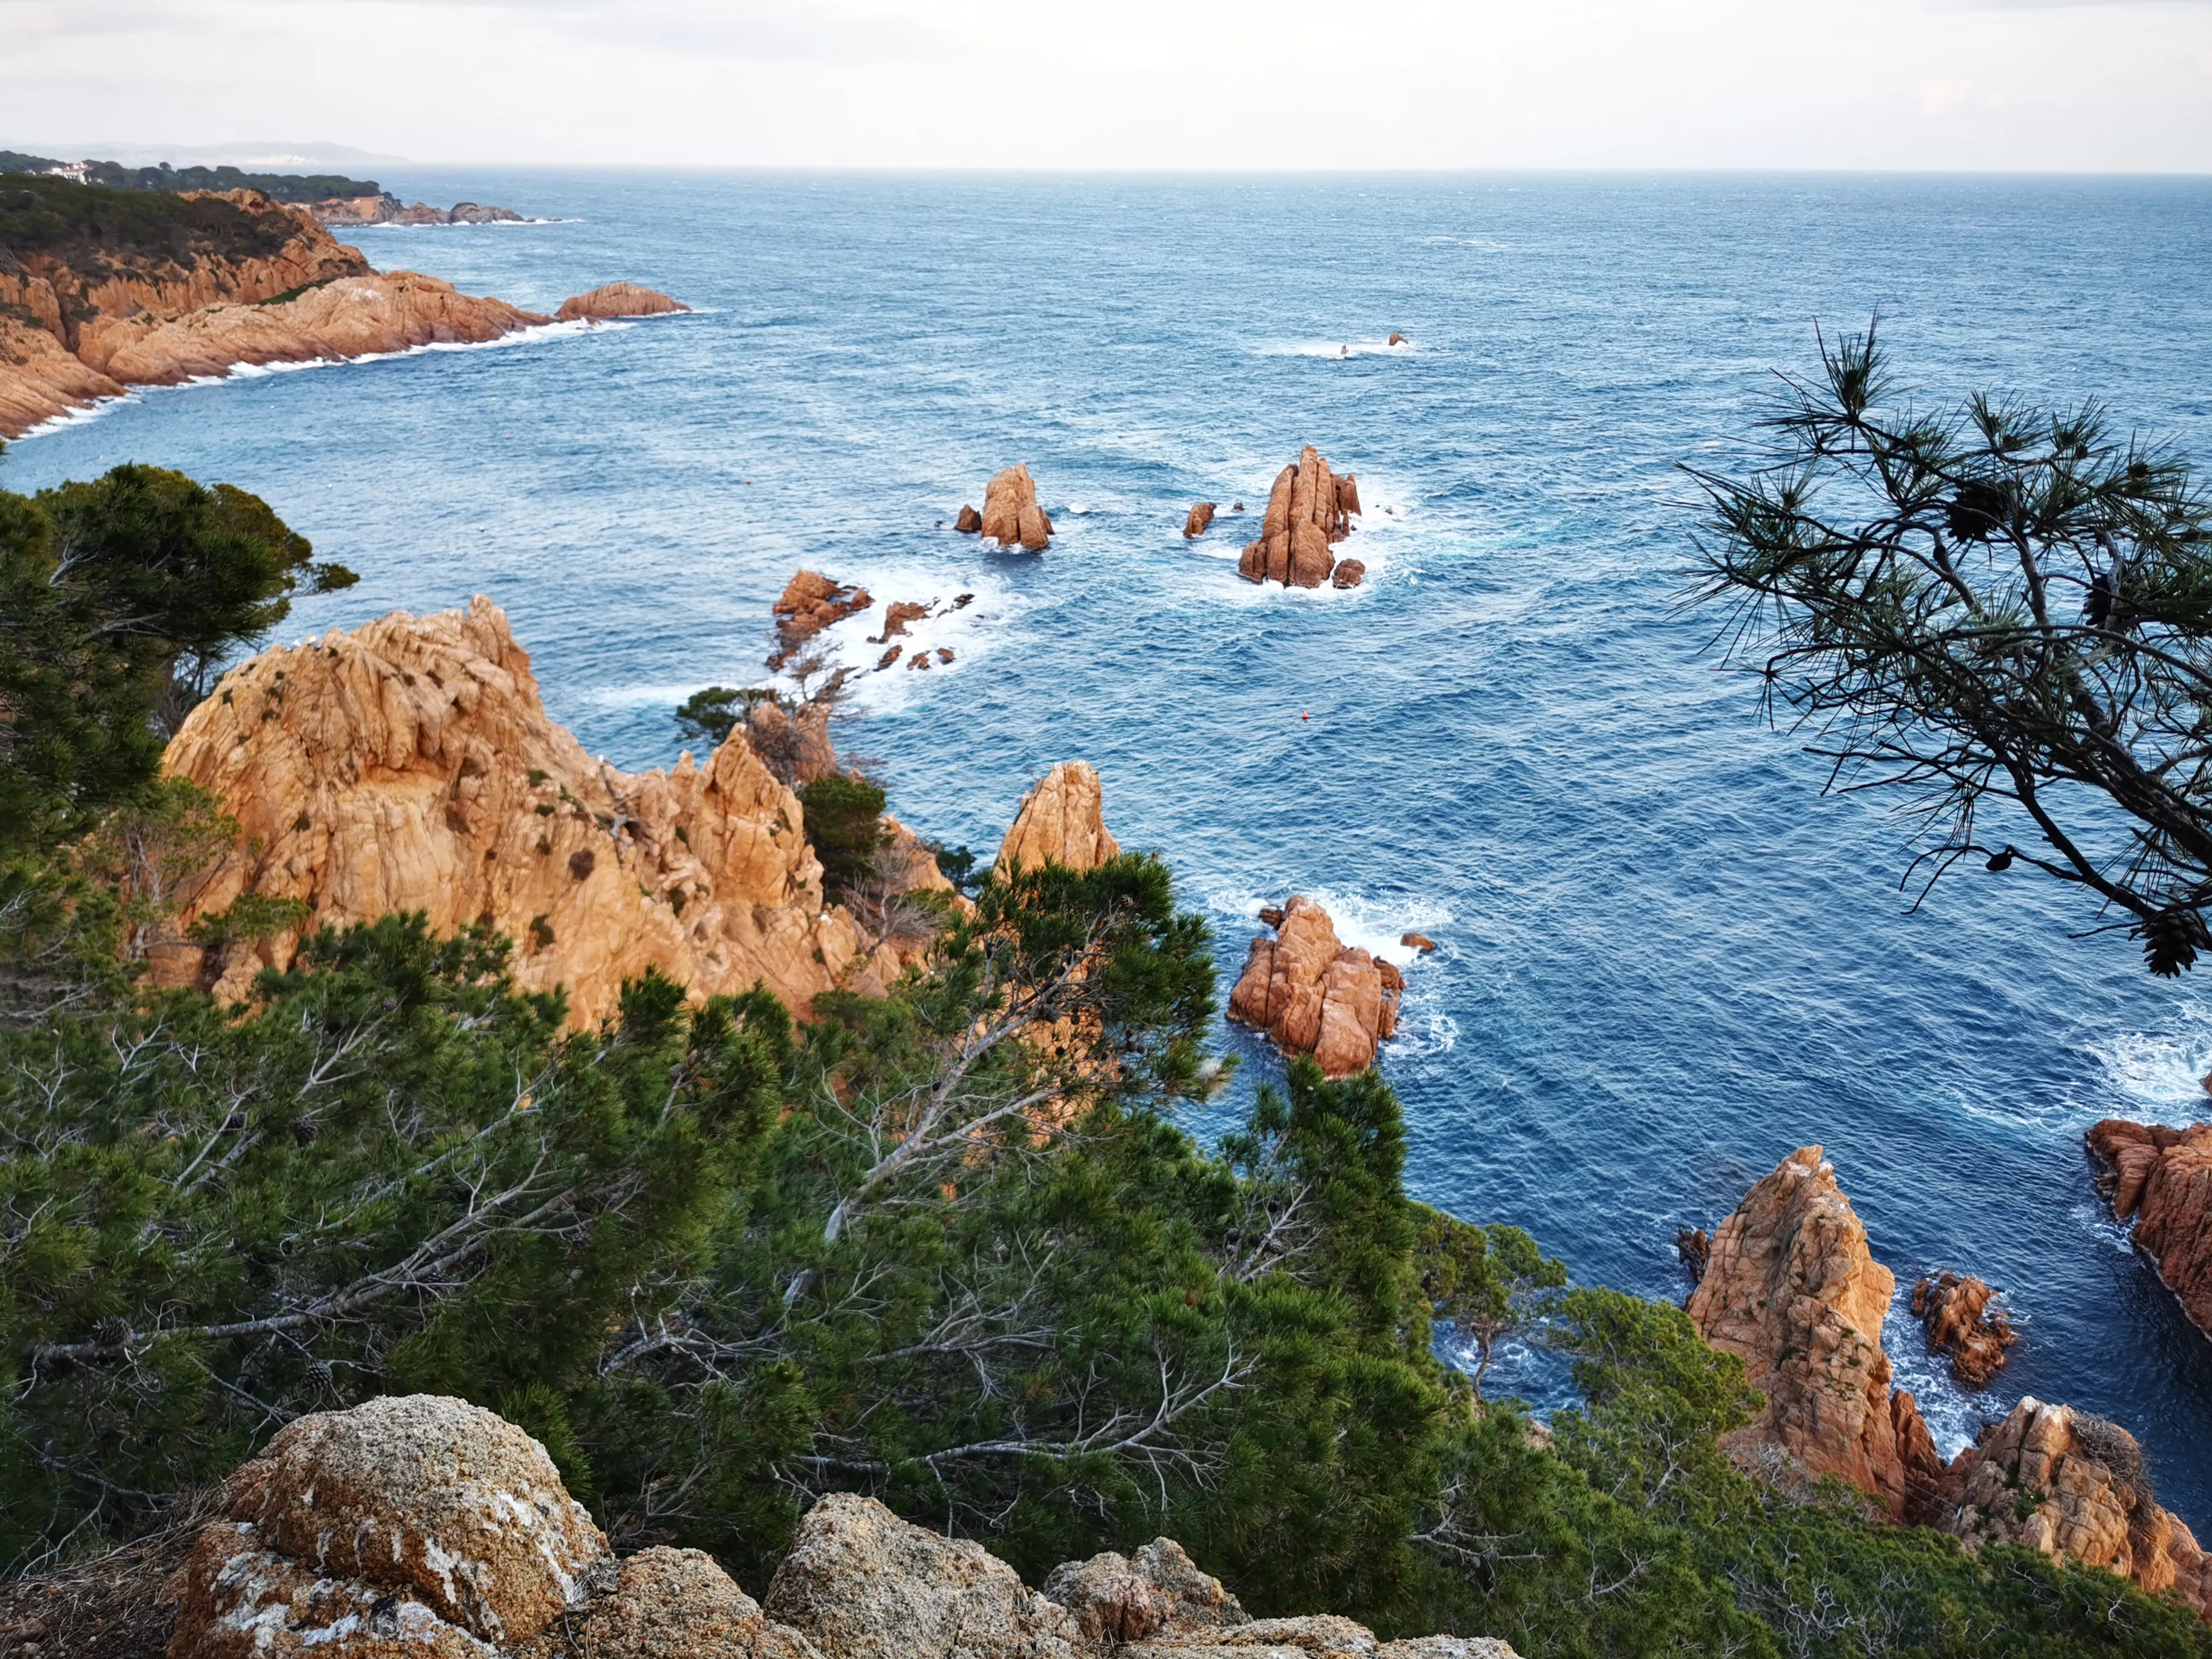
1310 510
1312 994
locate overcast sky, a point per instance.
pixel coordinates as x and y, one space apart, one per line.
2027 84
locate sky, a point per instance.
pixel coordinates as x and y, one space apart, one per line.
2028 85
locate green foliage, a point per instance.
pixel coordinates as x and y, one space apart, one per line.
709 716
118 599
1487 1282
844 823
125 230
277 186
958 865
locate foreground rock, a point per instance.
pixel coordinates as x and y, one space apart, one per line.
410 765
425 1528
1062 820
2161 1179
1790 1287
1956 1315
2067 1484
1312 995
1010 515
809 603
617 300
1308 511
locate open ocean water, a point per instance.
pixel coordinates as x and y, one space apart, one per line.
1665 960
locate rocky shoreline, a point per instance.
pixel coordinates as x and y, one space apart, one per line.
246 282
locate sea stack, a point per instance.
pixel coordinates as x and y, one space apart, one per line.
1308 511
1011 517
1062 820
2161 1178
1312 994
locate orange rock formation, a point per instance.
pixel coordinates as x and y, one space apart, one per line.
1011 516
812 602
410 765
618 299
2065 1483
1062 820
1200 516
1308 511
1956 1313
2162 1178
1791 1288
1314 995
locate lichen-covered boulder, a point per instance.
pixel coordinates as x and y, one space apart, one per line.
670 1604
1119 1598
860 1583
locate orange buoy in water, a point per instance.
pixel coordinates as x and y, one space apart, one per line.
1303 715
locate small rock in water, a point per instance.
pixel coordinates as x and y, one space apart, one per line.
1200 516
969 523
919 659
1417 941
945 653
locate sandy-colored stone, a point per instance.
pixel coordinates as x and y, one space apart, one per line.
425 1499
1200 516
809 603
970 521
2161 1179
1320 1635
242 1600
1791 1288
1309 510
2065 1483
1008 500
40 380
1118 1598
349 316
1061 821
670 1604
1956 1315
1312 995
617 300
860 1583
410 765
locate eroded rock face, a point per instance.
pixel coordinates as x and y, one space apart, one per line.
418 1524
1791 1288
1312 995
670 1604
1011 517
1956 1315
2162 1178
40 380
2066 1483
1119 1598
812 602
348 317
860 1583
617 300
1308 511
410 765
1061 821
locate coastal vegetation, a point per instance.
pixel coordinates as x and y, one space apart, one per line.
92 226
2000 611
277 186
952 1247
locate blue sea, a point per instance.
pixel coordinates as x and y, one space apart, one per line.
1665 959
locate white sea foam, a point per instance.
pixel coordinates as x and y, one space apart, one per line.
970 631
1339 349
2160 1069
1951 1414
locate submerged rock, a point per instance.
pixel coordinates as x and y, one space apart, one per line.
2161 1178
1314 995
1309 510
617 300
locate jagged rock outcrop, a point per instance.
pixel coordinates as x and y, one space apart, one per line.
481 213
386 209
1308 511
1010 516
415 1524
2161 1179
39 378
1062 820
1790 1287
1200 516
2066 1483
895 617
410 765
969 522
810 603
425 1528
1956 1315
617 300
1312 995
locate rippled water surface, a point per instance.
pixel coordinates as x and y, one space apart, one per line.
1665 961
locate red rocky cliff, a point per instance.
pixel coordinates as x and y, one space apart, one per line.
2161 1179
